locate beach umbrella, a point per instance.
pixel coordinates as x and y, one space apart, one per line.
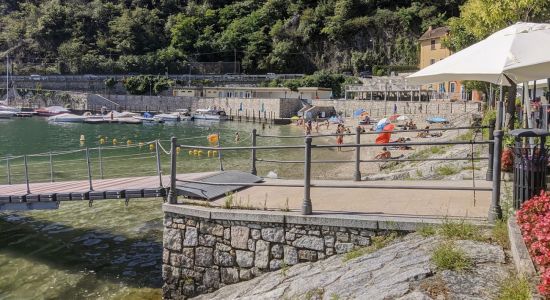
517 53
403 118
394 117
385 135
358 112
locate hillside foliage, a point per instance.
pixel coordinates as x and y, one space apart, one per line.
159 36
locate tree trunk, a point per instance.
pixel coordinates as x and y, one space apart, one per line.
511 106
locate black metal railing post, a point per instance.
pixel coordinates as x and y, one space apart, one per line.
495 211
489 175
27 174
307 207
51 168
159 169
357 176
253 162
172 194
89 166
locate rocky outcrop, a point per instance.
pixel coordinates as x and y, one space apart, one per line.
402 270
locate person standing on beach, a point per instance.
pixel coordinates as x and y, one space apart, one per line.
340 136
394 108
308 127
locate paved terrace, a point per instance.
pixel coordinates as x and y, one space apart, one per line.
368 201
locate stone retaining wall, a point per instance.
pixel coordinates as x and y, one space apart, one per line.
205 249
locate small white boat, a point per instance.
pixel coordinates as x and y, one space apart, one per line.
5 114
184 114
210 114
173 117
148 118
66 117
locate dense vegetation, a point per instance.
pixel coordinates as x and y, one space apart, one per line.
158 36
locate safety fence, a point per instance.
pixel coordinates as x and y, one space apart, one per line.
493 172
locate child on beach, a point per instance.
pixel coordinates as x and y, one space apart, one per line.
340 136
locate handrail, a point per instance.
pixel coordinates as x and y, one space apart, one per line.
352 186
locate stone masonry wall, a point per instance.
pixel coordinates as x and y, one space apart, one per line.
201 255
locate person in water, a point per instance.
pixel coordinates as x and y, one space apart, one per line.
237 137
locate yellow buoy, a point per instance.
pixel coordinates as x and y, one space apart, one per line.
190 152
178 150
129 142
195 152
82 138
209 153
214 153
114 141
213 138
140 145
152 147
101 141
200 152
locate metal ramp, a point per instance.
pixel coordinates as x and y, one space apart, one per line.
210 192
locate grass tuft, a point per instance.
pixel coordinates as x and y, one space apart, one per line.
460 230
514 288
446 170
499 234
377 243
427 230
448 257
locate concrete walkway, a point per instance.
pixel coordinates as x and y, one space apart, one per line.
367 201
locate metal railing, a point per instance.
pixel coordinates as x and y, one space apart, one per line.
493 172
48 167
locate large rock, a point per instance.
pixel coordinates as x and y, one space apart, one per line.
274 234
245 259
224 259
310 242
203 256
262 254
229 275
290 255
239 237
402 270
211 278
191 237
172 239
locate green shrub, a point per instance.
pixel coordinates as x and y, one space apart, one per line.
446 170
460 230
515 288
447 257
500 234
427 230
377 243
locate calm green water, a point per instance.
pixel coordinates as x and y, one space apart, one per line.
108 251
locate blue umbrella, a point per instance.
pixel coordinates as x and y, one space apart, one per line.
437 120
358 112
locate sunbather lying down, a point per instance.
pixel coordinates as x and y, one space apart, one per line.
385 154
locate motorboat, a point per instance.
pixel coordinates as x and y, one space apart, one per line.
67 117
6 114
173 117
184 114
129 120
51 111
210 114
148 118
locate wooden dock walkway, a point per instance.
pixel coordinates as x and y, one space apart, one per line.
16 197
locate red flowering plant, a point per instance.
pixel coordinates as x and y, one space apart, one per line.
534 221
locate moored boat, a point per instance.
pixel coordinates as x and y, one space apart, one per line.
210 114
173 117
51 111
67 117
5 114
